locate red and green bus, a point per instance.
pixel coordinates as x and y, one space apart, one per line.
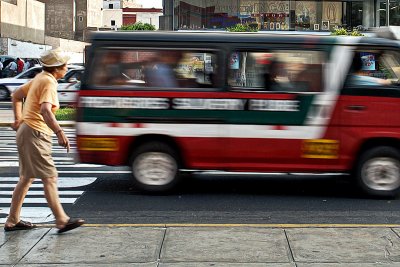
164 102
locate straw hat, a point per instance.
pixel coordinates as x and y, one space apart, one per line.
54 58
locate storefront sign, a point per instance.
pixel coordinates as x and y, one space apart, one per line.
272 7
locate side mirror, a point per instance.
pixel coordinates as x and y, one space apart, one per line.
72 80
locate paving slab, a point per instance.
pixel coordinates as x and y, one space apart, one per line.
346 264
153 264
344 245
16 244
213 244
98 245
226 264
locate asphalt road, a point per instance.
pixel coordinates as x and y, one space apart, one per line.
104 194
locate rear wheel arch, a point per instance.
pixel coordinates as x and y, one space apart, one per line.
375 142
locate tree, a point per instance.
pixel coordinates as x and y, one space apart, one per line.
138 26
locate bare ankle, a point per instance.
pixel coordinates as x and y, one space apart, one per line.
61 222
11 221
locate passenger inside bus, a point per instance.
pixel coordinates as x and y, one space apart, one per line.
276 77
359 73
111 72
162 73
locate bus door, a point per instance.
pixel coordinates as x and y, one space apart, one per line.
370 97
280 126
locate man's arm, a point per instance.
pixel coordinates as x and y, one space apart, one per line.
17 98
50 120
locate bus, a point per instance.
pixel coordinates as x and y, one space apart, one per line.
168 102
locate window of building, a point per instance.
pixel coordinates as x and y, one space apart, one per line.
158 68
112 22
394 12
297 71
111 6
310 15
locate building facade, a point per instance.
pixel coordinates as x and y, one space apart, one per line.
72 19
144 15
22 28
290 15
112 14
131 4
112 4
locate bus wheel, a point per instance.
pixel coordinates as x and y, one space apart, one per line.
155 167
378 171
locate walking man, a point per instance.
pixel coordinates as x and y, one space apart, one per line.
35 124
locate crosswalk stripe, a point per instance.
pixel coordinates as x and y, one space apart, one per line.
39 200
54 158
63 182
32 214
89 171
64 165
41 193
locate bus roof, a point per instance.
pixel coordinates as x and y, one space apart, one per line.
229 37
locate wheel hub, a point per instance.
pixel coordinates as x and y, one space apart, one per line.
155 168
382 174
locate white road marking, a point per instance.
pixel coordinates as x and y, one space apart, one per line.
32 214
41 200
16 164
42 213
89 171
41 193
54 158
63 182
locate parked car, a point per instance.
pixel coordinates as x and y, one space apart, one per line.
68 87
9 85
6 59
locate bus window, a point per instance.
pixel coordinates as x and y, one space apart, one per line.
374 68
156 68
296 71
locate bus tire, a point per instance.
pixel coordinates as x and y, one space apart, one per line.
378 172
155 167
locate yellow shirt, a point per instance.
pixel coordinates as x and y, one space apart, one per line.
43 88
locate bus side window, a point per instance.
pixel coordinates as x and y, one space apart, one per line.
285 71
154 68
374 68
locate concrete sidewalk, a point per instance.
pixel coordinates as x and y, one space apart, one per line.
202 246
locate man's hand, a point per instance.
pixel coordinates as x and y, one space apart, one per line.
63 140
15 125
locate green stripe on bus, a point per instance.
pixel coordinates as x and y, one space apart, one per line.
124 115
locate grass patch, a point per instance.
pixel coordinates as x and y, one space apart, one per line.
66 114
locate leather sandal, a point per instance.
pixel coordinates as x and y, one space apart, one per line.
71 224
21 225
